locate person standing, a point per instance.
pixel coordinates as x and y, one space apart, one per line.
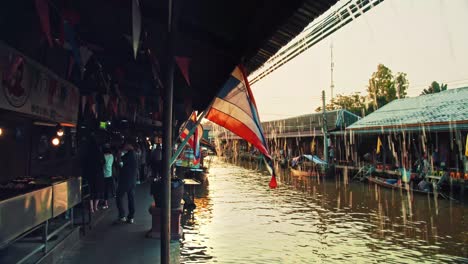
126 184
108 176
92 161
156 155
144 150
138 160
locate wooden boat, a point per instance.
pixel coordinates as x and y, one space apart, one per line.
185 168
385 183
307 166
305 173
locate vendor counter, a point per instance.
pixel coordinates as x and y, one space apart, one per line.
24 206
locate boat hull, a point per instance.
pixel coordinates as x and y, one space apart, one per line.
200 175
381 182
302 173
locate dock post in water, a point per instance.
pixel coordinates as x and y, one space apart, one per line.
325 131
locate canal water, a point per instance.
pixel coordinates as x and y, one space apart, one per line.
238 219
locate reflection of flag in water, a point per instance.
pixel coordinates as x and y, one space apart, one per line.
379 145
194 140
234 108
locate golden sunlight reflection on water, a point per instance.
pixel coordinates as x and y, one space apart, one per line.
238 219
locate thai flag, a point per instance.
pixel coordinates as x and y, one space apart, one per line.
194 140
235 109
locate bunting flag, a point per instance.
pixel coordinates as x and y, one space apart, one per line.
194 140
235 109
92 104
70 67
85 54
379 145
70 37
112 106
43 12
136 26
184 64
105 97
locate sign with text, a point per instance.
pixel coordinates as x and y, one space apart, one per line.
29 88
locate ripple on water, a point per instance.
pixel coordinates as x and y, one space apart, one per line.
240 220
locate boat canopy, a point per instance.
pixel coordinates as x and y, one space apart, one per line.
308 157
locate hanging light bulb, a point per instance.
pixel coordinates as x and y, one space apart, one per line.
55 141
1 131
60 132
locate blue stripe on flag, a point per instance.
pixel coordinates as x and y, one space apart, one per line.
228 86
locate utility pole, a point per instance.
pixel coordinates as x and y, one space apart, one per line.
325 129
332 65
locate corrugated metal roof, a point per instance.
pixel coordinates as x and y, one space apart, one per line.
439 111
308 125
309 10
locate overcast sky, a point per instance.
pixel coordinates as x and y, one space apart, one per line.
427 39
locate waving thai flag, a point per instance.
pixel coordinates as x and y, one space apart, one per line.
235 109
194 140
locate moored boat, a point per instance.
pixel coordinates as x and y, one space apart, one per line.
395 184
307 166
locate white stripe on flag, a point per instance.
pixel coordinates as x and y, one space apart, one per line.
235 112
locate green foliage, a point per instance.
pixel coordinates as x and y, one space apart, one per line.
401 84
354 103
434 88
383 88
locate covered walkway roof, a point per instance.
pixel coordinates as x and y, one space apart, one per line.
214 35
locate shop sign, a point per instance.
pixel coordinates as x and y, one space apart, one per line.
29 88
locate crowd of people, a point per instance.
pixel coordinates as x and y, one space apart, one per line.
114 172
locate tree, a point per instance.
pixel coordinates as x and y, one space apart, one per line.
434 88
354 103
384 87
401 84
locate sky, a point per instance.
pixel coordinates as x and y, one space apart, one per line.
427 39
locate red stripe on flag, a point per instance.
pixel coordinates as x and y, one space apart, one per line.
238 128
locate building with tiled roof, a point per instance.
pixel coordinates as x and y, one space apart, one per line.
444 111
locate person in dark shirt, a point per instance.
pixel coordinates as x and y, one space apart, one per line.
126 183
92 162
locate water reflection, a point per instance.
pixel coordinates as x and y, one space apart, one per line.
239 220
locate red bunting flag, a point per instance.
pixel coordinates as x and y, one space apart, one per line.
92 104
184 63
43 12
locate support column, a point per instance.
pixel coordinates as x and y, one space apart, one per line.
167 142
